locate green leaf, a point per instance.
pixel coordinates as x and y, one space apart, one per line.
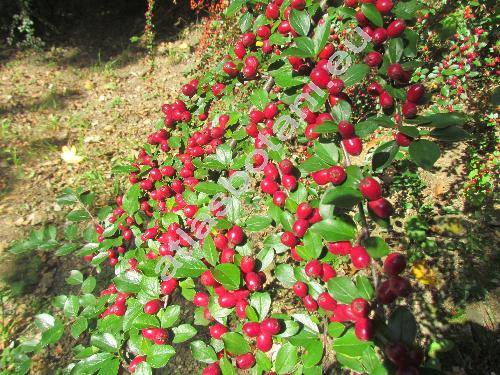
450 134
286 359
313 354
78 215
356 73
259 98
234 6
441 120
384 155
159 355
134 309
376 247
183 333
78 326
300 21
91 364
202 352
235 343
305 44
312 246
373 15
71 306
210 253
75 278
263 361
143 368
321 34
209 188
284 273
336 229
245 22
364 286
89 284
228 275
424 153
341 111
328 152
257 223
342 196
187 266
169 315
342 289
406 10
335 329
261 302
66 249
131 199
350 345
402 326
313 164
395 51
128 282
226 366
105 341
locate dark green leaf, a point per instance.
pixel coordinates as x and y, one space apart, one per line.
373 15
342 289
131 199
159 355
376 247
228 275
424 153
402 326
235 343
300 21
286 359
384 155
335 229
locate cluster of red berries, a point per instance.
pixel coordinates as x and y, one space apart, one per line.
259 118
371 190
284 175
177 111
395 286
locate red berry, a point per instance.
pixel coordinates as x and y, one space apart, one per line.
310 304
152 307
300 227
320 77
379 36
270 326
251 329
326 301
247 264
384 6
288 239
386 100
402 139
227 300
415 93
360 307
201 299
359 257
279 198
264 342
133 363
409 109
363 329
328 272
381 208
400 286
286 166
168 286
300 289
321 177
370 188
245 361
396 28
353 146
346 129
235 235
373 59
384 293
253 281
313 268
304 211
394 264
217 330
289 182
337 175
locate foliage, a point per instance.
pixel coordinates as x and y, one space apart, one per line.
167 234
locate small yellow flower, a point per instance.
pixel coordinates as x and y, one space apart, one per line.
69 155
259 43
424 274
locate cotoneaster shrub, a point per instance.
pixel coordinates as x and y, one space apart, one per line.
278 192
